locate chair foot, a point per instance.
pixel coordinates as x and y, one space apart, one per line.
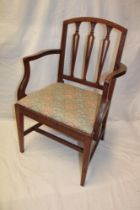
104 127
20 127
103 135
86 157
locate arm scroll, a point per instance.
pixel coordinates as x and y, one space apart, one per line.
116 73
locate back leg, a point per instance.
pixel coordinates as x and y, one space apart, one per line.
104 126
20 127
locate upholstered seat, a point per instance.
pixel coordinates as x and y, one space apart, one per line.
65 103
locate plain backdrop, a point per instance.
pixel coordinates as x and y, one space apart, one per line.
29 26
47 175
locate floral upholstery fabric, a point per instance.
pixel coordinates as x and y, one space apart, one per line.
65 103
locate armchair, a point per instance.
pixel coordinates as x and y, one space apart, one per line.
77 112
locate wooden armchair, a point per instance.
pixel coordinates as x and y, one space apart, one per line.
72 110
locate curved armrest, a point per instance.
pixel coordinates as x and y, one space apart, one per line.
116 73
41 54
110 79
26 62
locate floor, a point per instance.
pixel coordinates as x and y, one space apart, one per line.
47 175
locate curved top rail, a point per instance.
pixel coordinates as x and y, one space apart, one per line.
95 20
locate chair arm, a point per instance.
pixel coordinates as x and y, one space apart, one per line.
26 62
116 73
106 99
41 54
110 79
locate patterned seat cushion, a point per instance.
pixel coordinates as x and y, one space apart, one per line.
65 103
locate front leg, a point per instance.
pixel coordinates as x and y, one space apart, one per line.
20 127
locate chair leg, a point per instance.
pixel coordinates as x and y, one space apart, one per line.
103 134
86 157
20 127
104 126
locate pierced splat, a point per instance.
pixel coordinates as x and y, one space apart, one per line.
75 44
90 41
105 46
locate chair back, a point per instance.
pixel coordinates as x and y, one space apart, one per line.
79 50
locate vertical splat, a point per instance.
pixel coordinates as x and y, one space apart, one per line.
75 44
90 41
105 46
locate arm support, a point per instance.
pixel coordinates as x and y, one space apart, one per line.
103 110
26 62
106 98
110 81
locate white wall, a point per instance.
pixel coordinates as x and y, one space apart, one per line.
31 25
